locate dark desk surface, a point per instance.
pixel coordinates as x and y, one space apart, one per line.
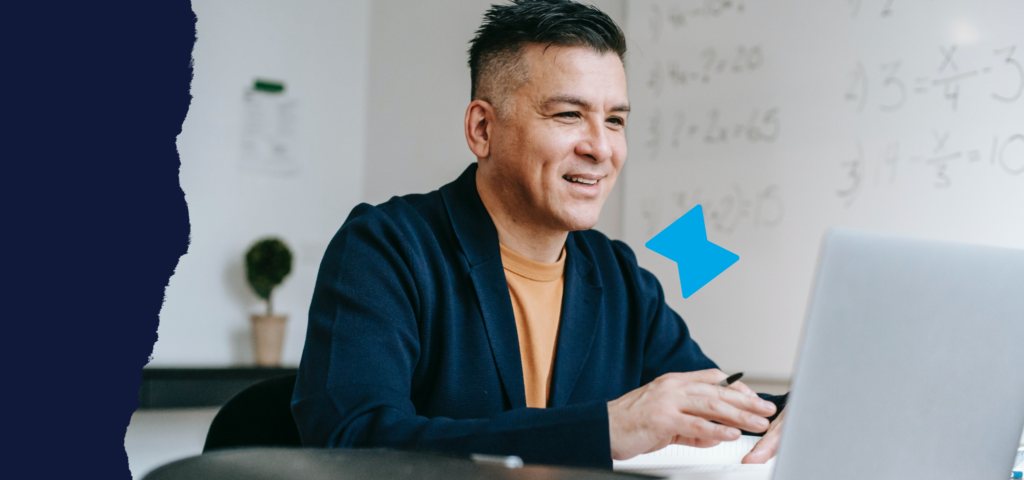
191 387
347 464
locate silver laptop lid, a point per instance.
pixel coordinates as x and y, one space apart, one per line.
912 363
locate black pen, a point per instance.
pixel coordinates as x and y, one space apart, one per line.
731 379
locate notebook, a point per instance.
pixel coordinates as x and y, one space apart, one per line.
682 462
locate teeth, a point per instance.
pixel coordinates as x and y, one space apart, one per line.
581 180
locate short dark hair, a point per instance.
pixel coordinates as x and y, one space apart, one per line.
495 51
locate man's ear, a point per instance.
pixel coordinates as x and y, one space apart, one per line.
480 116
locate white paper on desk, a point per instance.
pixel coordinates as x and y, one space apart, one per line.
682 462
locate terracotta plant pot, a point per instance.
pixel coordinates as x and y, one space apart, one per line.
268 339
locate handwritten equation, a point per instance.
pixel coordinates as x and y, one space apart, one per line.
890 88
676 16
713 62
725 210
1004 154
761 94
877 8
761 126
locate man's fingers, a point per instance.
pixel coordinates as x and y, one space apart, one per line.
766 447
697 383
687 409
695 442
748 403
751 403
730 407
742 388
723 412
691 426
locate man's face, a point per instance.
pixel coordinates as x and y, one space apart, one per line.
558 150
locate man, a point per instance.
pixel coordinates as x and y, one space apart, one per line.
486 317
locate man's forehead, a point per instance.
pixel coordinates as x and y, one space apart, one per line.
579 76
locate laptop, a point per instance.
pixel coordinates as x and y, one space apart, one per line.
912 363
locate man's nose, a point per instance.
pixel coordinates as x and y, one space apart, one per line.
595 143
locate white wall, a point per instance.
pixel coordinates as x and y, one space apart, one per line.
382 88
419 93
319 48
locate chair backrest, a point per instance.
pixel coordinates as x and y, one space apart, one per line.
260 415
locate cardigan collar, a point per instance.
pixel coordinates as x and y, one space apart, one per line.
581 301
473 226
478 236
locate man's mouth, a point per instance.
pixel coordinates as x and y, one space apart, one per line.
579 180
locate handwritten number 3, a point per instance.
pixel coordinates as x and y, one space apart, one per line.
892 80
1020 74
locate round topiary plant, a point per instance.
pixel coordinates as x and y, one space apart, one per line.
267 262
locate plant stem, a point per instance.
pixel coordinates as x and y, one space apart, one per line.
270 306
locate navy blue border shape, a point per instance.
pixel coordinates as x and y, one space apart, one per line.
94 96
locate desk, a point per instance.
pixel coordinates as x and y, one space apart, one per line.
349 464
200 387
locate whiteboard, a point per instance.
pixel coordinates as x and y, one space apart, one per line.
785 118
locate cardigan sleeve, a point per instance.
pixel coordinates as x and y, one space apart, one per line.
668 346
362 347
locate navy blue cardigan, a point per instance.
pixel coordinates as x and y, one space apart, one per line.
412 341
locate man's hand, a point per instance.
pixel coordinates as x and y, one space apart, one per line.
765 448
678 408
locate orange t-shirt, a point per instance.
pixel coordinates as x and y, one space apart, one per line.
536 292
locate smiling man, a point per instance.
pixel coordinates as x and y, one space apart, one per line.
486 317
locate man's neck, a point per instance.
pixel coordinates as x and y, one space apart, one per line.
527 239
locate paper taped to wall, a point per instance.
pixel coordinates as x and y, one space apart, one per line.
269 129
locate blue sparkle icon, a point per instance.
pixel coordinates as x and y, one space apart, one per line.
686 243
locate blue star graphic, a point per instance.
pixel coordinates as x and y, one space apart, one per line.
686 243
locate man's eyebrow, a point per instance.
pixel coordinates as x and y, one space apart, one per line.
566 98
624 107
579 102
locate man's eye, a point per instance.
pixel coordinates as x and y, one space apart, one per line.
568 114
617 121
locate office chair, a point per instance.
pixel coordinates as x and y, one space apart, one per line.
260 415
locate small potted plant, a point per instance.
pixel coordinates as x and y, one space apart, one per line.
267 262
